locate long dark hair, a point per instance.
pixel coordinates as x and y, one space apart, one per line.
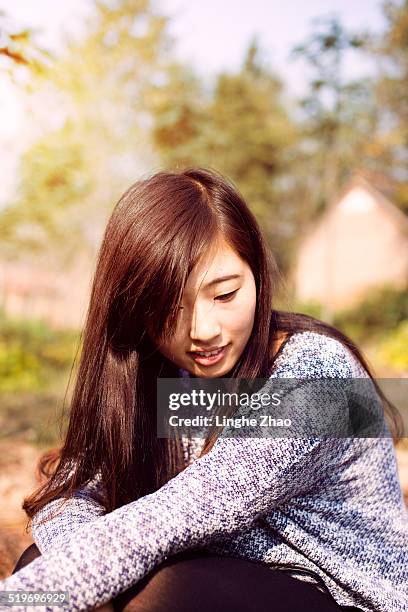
156 234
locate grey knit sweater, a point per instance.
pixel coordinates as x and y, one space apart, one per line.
331 511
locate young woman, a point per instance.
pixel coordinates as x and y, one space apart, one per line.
226 523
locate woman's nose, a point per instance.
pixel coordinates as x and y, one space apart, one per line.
204 323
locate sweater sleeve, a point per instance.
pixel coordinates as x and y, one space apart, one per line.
59 519
220 493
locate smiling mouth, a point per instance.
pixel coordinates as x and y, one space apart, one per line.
216 349
210 358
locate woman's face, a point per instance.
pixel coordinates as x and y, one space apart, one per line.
215 313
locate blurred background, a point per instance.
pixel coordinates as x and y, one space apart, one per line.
303 105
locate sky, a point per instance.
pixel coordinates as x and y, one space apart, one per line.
214 40
210 35
213 35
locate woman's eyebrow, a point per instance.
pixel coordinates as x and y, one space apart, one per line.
221 279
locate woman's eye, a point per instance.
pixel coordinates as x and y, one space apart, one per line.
226 296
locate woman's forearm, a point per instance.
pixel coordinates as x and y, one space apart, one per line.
219 494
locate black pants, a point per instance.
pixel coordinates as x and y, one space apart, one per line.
200 582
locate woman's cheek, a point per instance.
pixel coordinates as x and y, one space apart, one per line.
241 316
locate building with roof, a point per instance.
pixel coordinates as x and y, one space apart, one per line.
359 242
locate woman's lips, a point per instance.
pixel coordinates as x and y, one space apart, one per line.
211 359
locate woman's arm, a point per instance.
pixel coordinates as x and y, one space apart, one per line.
221 493
59 519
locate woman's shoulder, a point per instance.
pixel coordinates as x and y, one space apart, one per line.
311 353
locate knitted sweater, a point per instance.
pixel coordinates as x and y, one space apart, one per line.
330 509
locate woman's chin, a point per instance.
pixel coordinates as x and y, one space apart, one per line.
214 372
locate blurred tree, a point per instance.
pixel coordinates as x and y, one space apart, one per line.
359 124
105 75
92 107
18 49
180 118
392 92
53 180
251 139
241 128
340 115
341 120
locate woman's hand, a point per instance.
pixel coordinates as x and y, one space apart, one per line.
108 607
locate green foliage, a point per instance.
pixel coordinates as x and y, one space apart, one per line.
391 91
96 88
31 354
393 84
19 49
379 325
180 120
382 310
340 115
379 314
54 166
19 369
393 350
33 416
311 307
53 180
105 78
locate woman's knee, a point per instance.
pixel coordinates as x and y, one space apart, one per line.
28 555
180 583
220 584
